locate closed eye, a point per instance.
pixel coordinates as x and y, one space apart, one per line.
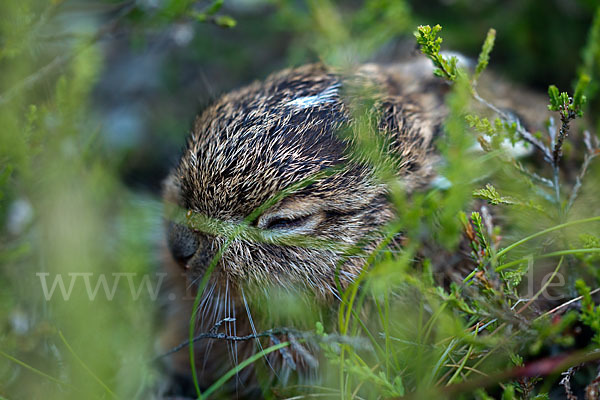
287 222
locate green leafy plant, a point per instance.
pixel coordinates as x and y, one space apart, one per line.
493 325
427 38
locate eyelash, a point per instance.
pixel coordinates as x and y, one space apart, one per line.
281 222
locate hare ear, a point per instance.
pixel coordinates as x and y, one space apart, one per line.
412 124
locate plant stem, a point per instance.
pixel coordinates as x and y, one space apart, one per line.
541 233
548 255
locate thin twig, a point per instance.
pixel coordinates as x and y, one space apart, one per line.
521 168
575 192
271 333
526 135
223 336
566 381
566 304
216 327
543 288
562 134
557 152
592 151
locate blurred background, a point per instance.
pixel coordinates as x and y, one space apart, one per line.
157 75
96 100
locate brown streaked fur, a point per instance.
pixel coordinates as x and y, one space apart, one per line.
255 142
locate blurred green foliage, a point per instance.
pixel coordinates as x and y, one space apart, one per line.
78 187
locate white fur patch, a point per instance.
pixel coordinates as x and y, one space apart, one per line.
517 151
441 182
326 96
462 61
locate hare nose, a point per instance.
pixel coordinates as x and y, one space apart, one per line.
182 242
